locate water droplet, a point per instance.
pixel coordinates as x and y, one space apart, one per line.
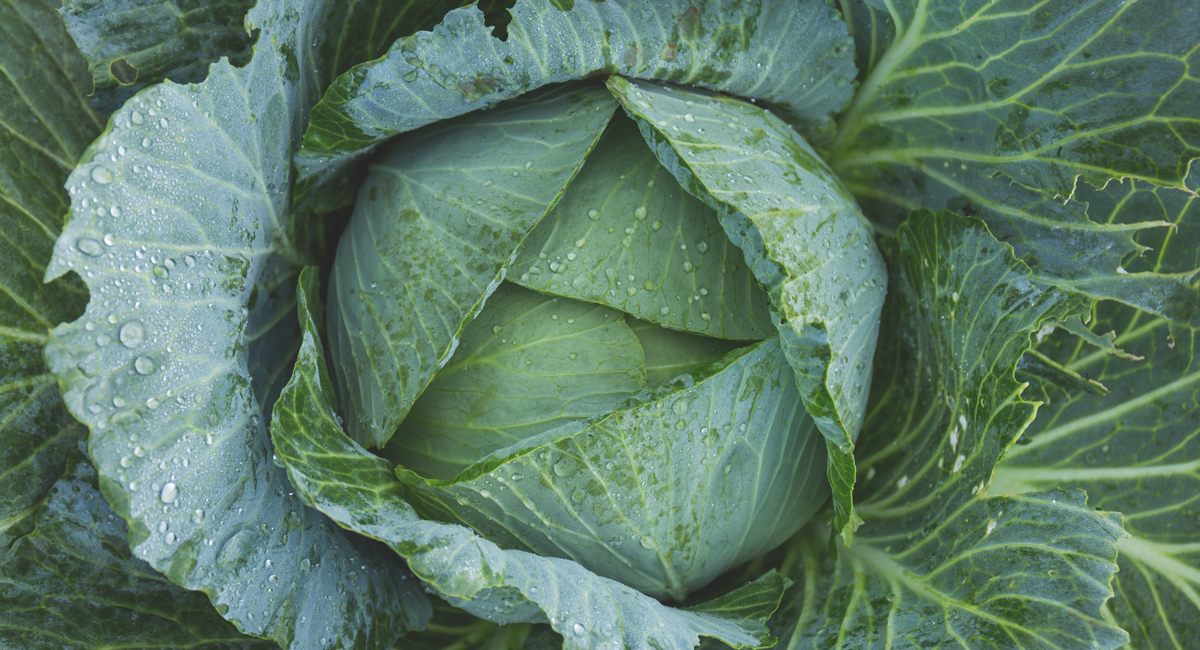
169 493
109 240
664 310
137 118
126 462
101 175
702 247
687 266
640 213
594 215
153 404
578 629
120 403
146 142
132 334
528 164
89 247
163 122
144 365
689 118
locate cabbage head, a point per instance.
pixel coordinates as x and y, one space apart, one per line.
598 324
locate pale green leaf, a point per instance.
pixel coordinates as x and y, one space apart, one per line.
670 353
527 364
793 54
45 124
435 226
178 225
803 237
662 495
627 236
338 477
937 563
1006 109
73 583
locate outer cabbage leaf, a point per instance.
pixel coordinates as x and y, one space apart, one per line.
793 54
626 235
1135 450
871 28
178 225
434 229
803 237
662 495
338 477
45 124
134 44
997 108
937 562
72 582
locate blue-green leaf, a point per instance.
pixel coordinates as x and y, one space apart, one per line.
72 582
803 237
45 124
179 225
435 227
938 562
793 54
337 476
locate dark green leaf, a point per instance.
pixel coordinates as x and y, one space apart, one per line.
527 364
73 583
792 54
179 223
435 227
1001 108
1135 450
627 236
337 476
801 234
872 30
134 44
454 629
937 562
45 124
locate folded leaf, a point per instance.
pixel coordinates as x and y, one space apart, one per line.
434 230
528 364
793 54
937 562
45 124
178 224
664 494
72 582
627 236
803 237
338 477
